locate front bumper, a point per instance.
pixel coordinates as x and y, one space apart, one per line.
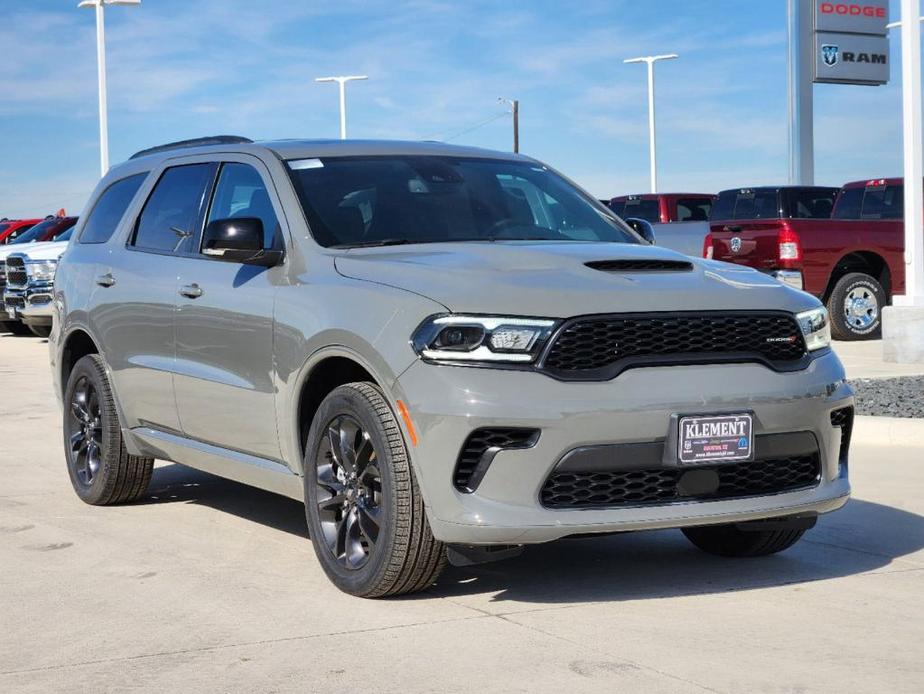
32 305
446 403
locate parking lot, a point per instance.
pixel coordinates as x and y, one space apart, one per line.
208 585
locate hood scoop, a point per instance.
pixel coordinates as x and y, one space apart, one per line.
640 265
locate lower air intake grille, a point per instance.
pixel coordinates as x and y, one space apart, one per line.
599 347
843 420
479 450
664 485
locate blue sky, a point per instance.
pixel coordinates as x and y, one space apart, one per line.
186 68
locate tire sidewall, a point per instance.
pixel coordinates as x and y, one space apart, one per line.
845 285
347 401
91 367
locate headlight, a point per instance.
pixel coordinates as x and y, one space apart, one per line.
815 328
473 339
43 270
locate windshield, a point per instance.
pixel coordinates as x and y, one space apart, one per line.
358 201
38 231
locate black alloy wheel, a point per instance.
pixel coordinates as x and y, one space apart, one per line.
349 496
85 431
365 512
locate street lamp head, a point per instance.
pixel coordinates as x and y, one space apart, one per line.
94 3
652 58
341 78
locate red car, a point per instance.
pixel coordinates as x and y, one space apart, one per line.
11 228
664 208
846 247
46 230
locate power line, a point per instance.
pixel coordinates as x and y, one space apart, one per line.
466 129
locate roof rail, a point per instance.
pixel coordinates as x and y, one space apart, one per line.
195 142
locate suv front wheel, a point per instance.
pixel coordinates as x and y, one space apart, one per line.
365 511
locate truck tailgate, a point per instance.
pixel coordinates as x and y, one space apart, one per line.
752 243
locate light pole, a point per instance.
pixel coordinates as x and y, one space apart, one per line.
342 80
101 72
515 110
650 60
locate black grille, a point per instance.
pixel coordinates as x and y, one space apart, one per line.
640 265
2 275
664 485
16 272
602 346
479 442
843 420
13 301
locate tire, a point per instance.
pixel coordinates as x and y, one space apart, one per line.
17 328
367 520
849 320
40 330
729 541
102 472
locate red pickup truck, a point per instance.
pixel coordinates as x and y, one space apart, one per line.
844 246
664 208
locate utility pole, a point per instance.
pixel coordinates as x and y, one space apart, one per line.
515 110
341 81
650 60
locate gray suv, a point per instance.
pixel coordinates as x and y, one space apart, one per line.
443 351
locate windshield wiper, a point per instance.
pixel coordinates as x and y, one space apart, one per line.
370 244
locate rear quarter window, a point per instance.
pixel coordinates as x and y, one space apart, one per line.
109 209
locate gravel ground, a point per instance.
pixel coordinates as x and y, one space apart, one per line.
890 397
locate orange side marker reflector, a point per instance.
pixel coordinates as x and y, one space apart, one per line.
406 416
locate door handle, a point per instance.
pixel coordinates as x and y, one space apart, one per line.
106 280
191 291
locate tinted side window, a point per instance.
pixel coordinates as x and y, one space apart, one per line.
883 203
693 209
171 214
242 193
848 204
109 209
724 206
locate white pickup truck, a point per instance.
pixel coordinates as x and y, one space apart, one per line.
679 221
30 274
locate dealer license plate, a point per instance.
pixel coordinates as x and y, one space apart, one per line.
716 438
11 312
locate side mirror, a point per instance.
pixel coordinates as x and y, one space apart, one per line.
238 240
642 227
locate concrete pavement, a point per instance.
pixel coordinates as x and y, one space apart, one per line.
210 586
864 360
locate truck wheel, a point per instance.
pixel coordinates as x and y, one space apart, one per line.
101 470
365 512
855 307
40 330
729 541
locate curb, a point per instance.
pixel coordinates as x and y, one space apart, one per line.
888 431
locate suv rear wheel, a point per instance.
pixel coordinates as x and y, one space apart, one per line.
731 541
365 512
855 307
101 470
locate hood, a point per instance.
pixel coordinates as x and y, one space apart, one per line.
553 279
48 250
